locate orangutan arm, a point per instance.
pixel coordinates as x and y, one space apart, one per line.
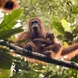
22 39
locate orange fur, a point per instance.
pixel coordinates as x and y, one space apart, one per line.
69 52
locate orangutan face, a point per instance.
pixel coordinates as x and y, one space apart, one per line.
35 27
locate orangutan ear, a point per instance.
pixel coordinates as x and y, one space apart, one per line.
8 5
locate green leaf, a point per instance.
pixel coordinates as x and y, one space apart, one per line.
75 31
65 25
4 73
58 27
10 19
75 9
7 33
5 60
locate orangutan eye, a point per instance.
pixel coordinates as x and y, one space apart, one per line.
34 22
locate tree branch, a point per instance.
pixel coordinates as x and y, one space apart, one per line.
39 56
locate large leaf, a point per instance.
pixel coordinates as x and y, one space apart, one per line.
7 33
5 64
10 19
65 25
58 27
5 60
4 73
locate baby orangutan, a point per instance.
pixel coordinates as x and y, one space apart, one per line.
45 43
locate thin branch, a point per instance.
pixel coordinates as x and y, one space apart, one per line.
39 56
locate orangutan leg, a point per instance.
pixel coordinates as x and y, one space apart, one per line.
58 54
69 56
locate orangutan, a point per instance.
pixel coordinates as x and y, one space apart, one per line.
38 40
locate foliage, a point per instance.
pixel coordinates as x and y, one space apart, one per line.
7 30
59 17
4 73
43 71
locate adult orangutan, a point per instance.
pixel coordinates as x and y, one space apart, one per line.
8 5
38 40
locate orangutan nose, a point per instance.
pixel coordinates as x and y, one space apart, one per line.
35 29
